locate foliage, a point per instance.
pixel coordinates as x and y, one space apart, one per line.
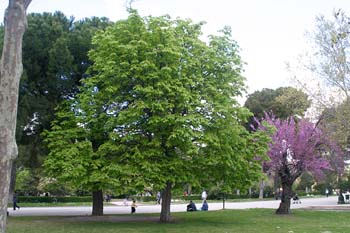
54 187
283 102
74 159
159 109
335 122
170 94
328 84
332 42
302 146
297 147
51 199
54 60
24 180
306 181
344 184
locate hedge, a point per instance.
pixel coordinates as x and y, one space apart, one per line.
39 199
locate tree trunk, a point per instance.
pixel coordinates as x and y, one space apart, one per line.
166 201
97 203
12 181
11 68
261 187
276 185
287 194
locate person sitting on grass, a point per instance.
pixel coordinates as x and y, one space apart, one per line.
205 206
191 206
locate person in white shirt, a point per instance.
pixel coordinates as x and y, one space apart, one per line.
204 195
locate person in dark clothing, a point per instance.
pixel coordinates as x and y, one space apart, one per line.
133 207
296 199
14 201
191 206
205 206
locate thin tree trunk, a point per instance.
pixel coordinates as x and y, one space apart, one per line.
287 194
15 22
12 181
261 189
276 185
166 201
97 203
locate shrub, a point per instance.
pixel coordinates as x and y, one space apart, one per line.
44 199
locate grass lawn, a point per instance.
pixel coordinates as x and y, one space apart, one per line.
240 221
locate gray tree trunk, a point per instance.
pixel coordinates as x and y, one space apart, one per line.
15 22
166 201
261 189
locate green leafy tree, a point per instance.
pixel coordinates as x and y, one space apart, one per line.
159 111
283 102
55 58
306 180
335 121
24 180
78 158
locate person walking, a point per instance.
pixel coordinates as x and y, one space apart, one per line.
133 207
204 195
14 201
159 197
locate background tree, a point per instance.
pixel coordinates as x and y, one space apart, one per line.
78 156
326 63
10 73
335 122
330 59
297 147
283 102
55 59
306 180
329 66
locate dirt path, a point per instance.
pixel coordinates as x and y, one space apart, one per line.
106 218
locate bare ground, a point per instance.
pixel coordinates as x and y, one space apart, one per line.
107 218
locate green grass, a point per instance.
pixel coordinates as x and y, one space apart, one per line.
240 221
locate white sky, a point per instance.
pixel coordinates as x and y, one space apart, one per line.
269 32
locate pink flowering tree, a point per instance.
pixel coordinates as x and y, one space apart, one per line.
297 146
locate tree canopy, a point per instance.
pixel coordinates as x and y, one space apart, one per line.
331 42
282 102
54 60
296 147
161 106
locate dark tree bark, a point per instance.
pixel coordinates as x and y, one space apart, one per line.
15 22
288 173
97 202
287 194
166 201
